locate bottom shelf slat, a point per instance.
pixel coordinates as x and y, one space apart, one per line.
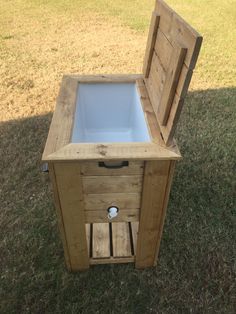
121 239
112 245
101 240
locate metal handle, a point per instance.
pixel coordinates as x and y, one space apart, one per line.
44 167
121 165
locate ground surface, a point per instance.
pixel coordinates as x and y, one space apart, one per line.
39 42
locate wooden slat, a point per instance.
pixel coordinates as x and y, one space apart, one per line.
103 201
101 240
60 133
106 78
59 214
134 227
121 239
163 50
164 208
112 260
112 184
154 187
169 129
95 216
88 236
177 30
150 116
121 151
89 168
171 82
150 43
71 199
157 76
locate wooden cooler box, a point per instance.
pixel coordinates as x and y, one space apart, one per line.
111 153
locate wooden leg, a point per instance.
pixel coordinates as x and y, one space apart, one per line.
163 215
69 187
156 187
59 214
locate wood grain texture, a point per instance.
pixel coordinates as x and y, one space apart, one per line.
121 239
113 151
154 187
176 29
134 227
175 54
98 216
88 237
171 82
150 43
164 208
103 201
62 121
112 260
101 240
91 168
59 214
72 208
106 78
112 184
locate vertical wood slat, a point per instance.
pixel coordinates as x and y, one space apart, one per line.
59 214
121 239
154 187
165 204
171 82
134 227
71 199
101 240
150 43
88 237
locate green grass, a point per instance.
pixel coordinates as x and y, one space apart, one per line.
196 272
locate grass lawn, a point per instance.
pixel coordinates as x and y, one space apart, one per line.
40 40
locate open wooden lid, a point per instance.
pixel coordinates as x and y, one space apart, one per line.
171 55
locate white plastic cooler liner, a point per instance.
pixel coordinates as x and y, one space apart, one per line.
109 112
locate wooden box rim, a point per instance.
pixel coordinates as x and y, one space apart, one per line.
59 147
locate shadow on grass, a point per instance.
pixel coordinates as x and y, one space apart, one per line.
195 272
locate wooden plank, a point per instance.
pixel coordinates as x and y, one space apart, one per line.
89 168
171 82
88 236
71 199
59 214
60 133
164 208
116 151
112 184
163 50
178 30
112 260
134 227
154 187
103 201
155 82
96 216
101 240
150 43
149 114
169 130
121 239
106 78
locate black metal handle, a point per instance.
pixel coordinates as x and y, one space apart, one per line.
44 167
122 164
